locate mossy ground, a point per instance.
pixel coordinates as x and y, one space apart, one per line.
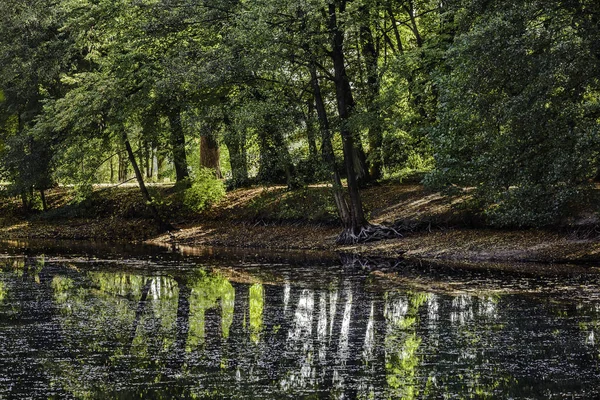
437 228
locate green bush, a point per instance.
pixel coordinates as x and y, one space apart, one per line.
204 190
82 192
534 205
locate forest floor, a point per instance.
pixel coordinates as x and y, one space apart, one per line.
434 228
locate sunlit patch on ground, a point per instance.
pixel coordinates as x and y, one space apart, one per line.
276 218
15 227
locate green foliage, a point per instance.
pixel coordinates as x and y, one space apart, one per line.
3 291
257 305
532 205
203 191
209 291
518 117
504 95
82 191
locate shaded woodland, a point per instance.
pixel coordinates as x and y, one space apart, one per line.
496 97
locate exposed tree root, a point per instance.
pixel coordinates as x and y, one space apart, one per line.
367 233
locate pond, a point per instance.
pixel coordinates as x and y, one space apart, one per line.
92 321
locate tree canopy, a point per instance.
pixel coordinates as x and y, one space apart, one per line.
496 97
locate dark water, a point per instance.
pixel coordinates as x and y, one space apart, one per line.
94 322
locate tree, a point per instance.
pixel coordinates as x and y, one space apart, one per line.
33 53
519 116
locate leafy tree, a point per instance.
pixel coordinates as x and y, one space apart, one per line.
519 108
33 53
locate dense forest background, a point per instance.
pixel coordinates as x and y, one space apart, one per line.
496 98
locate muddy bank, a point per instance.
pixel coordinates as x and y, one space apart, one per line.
450 245
274 218
457 246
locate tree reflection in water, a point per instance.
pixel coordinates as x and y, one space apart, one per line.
68 330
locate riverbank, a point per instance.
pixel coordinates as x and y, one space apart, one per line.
434 228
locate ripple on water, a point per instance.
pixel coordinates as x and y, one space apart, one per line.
131 328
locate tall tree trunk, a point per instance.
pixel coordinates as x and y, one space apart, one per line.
345 104
162 225
43 197
160 163
148 159
375 134
112 171
210 154
310 131
123 168
141 158
415 98
327 150
236 145
178 144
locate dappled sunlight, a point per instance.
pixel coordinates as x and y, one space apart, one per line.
410 203
241 197
15 227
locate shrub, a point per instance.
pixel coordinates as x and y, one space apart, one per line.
205 190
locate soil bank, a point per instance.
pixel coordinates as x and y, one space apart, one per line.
434 229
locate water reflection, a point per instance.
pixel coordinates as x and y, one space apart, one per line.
68 330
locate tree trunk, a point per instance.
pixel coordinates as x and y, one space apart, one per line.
345 104
160 163
148 159
43 197
141 157
112 171
310 131
327 150
358 229
236 145
162 225
178 144
210 154
123 168
375 130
